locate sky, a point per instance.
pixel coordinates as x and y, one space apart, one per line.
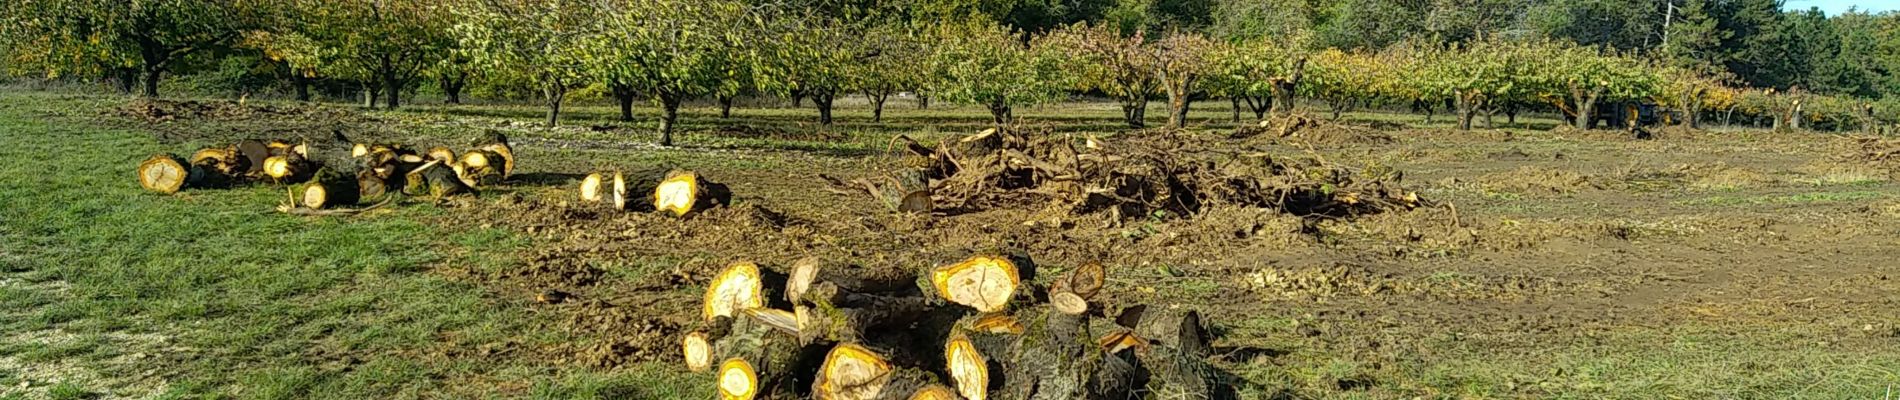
1835 7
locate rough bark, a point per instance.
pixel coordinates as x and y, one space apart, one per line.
1585 100
1285 88
554 93
725 106
624 94
669 116
823 100
452 87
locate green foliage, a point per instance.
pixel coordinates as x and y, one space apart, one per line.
538 42
123 37
981 62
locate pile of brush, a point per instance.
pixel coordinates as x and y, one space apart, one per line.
1132 176
974 329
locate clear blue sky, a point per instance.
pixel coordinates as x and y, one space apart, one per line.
1835 7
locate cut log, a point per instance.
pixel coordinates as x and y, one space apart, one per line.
738 380
482 167
1179 329
851 372
967 367
829 314
934 392
620 191
591 189
330 188
370 186
780 320
1087 280
253 152
811 270
697 351
685 192
164 173
286 169
738 288
985 283
1069 303
442 154
434 180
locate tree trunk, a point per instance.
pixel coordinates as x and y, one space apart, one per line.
554 93
725 107
823 99
452 87
371 91
152 75
877 104
1283 89
302 85
1236 102
798 98
1259 105
923 102
669 116
1135 112
1586 105
393 89
999 113
1178 93
125 79
1467 109
624 94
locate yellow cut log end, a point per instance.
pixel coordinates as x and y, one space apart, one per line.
677 193
359 150
737 380
698 352
804 272
967 367
442 154
851 372
590 188
277 167
315 196
214 153
620 191
1068 303
162 174
735 290
934 392
985 283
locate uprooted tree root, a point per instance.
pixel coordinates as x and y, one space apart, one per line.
1141 176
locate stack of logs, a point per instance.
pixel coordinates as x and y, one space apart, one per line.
325 177
665 189
974 330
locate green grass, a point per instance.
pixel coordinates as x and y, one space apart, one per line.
240 301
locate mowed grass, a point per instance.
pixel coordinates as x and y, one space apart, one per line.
107 290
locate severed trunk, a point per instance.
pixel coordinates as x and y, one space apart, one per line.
331 187
685 192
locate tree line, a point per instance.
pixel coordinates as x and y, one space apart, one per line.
1473 59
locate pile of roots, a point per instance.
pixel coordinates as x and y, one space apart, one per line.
1163 174
324 177
974 329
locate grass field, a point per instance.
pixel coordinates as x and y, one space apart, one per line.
1738 264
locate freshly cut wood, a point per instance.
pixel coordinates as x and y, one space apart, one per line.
359 150
968 368
812 269
290 168
738 380
482 167
684 192
997 323
934 392
442 154
330 188
1069 303
496 142
434 180
851 372
1121 339
985 283
253 152
164 173
738 288
697 351
591 189
620 191
1087 280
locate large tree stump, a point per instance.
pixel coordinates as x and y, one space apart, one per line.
165 174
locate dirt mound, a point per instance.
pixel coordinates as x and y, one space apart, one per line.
1538 180
1299 129
767 132
225 121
